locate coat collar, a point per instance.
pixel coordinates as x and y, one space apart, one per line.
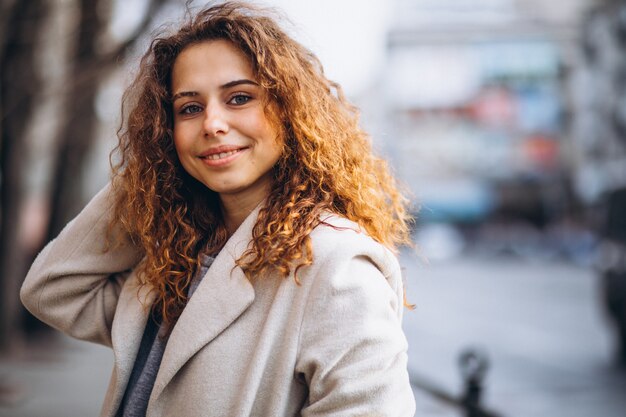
222 296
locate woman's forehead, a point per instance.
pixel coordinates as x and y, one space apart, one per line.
217 61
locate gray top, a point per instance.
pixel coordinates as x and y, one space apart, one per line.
135 401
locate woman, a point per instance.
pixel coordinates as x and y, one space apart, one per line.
241 260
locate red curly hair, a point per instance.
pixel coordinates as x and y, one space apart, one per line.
327 164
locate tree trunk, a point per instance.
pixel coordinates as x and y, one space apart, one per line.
19 86
79 129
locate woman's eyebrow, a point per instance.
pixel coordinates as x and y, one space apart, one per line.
238 82
229 84
184 94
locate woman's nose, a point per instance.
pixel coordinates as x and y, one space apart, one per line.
214 122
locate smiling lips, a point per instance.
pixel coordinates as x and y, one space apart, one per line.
221 155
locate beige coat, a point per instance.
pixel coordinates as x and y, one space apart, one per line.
330 346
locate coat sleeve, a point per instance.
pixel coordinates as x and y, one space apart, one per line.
352 349
74 283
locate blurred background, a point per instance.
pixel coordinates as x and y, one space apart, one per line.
506 120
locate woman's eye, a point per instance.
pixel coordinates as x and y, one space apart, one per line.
240 99
190 109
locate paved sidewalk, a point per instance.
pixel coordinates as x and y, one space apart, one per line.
57 377
541 324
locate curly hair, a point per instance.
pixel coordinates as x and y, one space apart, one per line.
327 164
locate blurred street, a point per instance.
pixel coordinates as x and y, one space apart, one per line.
540 323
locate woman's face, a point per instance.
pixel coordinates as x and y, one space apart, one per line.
222 134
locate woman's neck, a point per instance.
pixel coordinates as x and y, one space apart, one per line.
236 207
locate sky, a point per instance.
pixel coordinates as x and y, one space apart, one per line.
348 36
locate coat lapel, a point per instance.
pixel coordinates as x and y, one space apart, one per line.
131 316
222 296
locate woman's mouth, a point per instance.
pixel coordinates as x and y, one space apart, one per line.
221 156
